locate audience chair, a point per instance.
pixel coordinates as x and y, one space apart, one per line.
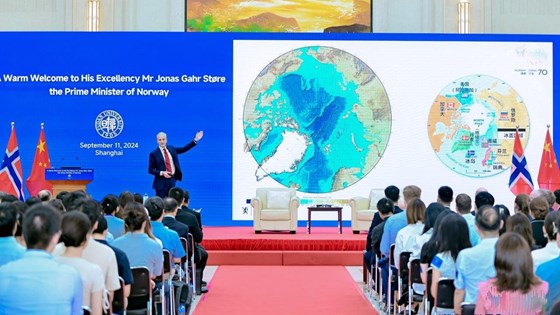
428 298
140 298
468 309
86 310
275 209
414 277
363 210
118 298
390 282
402 276
192 263
538 235
445 293
168 277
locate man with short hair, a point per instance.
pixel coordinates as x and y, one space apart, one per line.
476 264
463 204
11 250
168 237
483 198
36 284
392 193
45 195
385 209
445 196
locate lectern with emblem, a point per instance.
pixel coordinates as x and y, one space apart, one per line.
68 179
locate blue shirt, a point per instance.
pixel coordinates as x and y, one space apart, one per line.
36 284
115 225
169 239
141 250
392 227
548 272
473 235
475 265
10 249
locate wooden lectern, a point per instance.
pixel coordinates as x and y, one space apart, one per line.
68 179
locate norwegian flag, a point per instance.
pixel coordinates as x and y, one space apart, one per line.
520 181
11 176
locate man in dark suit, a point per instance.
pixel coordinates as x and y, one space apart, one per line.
187 218
164 163
185 206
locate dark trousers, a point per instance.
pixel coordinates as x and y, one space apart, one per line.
168 183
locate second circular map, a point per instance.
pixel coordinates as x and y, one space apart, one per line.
316 118
472 125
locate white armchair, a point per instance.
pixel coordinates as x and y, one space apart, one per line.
363 210
275 209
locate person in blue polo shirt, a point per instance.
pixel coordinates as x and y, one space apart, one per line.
169 238
9 247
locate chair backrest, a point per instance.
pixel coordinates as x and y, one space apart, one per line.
167 261
391 255
428 291
404 257
185 244
468 309
262 193
538 234
140 297
118 297
415 272
374 196
445 293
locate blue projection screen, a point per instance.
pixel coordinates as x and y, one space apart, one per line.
334 115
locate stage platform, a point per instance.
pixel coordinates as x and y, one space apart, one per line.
324 246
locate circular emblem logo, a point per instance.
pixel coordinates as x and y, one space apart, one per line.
109 124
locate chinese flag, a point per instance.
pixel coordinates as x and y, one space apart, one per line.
36 181
549 174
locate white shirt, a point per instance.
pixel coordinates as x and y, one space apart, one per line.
92 276
406 238
419 241
549 252
170 159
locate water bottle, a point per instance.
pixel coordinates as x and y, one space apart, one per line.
145 197
182 309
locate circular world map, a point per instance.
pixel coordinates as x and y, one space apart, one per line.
317 119
472 125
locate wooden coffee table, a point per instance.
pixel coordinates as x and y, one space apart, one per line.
311 209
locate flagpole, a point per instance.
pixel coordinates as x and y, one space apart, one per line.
42 126
13 124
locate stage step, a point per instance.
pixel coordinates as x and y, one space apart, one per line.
286 258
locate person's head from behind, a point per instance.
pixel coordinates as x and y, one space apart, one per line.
170 206
41 227
445 195
58 205
124 198
504 216
186 197
102 227
453 235
432 212
92 209
521 204
45 195
110 203
155 208
520 224
514 264
385 207
463 203
135 217
549 196
487 221
550 229
539 208
415 211
411 192
138 198
392 192
31 201
74 229
73 200
178 194
557 196
8 219
483 198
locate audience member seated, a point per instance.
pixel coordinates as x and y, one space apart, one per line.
521 204
95 252
11 250
36 283
186 207
445 196
482 256
140 249
45 195
415 212
453 237
430 248
504 216
551 250
74 236
483 198
515 289
31 201
385 209
556 199
58 205
463 205
548 271
539 208
170 208
99 235
432 212
21 208
546 194
520 224
169 238
110 205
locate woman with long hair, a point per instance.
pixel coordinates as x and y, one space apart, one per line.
515 289
521 204
415 212
519 223
75 226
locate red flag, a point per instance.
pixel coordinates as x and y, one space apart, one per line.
36 181
549 174
11 176
520 181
